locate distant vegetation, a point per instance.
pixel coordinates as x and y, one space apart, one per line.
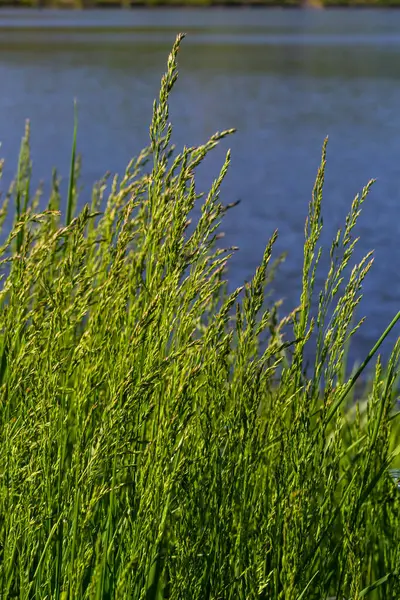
192 3
163 439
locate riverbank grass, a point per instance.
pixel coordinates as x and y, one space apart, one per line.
161 438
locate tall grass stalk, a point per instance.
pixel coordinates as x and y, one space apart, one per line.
161 438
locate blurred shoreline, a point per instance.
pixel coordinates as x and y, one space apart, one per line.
132 4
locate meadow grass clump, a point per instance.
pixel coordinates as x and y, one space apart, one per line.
161 438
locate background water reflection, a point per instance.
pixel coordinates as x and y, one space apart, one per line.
285 79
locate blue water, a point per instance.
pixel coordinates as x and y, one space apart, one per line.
284 79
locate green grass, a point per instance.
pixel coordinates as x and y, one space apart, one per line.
161 438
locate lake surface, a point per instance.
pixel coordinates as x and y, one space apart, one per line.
284 79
